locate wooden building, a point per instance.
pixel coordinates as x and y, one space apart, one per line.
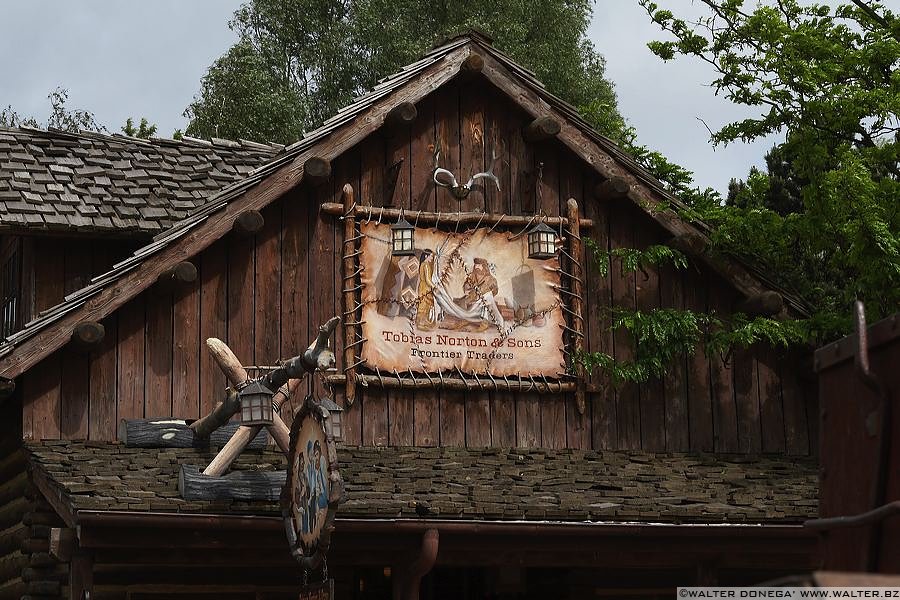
520 489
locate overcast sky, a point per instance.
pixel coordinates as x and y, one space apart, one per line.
127 58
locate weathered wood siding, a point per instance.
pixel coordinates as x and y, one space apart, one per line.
266 294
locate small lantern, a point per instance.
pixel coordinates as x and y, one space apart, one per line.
402 241
333 425
541 242
256 404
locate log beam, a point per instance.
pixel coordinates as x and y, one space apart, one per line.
542 128
317 170
248 223
614 188
577 305
463 385
349 265
402 115
88 335
449 219
239 485
176 433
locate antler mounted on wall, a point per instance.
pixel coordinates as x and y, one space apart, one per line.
445 178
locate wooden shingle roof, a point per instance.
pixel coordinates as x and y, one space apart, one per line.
530 484
91 182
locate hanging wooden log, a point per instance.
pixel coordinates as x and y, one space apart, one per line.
87 335
473 63
614 188
248 223
176 433
183 272
238 485
542 128
349 296
691 244
402 115
449 219
463 385
317 170
576 300
764 304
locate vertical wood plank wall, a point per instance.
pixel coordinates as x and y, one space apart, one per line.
266 295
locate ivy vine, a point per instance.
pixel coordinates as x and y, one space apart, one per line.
661 336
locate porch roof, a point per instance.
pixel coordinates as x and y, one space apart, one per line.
486 484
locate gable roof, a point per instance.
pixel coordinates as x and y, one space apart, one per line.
91 182
53 328
530 484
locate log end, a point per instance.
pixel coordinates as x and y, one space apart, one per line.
474 63
249 222
88 334
764 304
403 114
613 188
183 272
542 128
317 170
691 244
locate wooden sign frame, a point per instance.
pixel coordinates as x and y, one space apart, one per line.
311 556
571 290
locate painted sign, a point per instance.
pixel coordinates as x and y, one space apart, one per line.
313 488
471 301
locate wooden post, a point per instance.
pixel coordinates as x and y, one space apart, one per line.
349 296
316 170
248 222
542 128
577 302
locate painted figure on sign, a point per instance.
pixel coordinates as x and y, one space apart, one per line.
481 290
301 512
312 478
322 476
426 311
